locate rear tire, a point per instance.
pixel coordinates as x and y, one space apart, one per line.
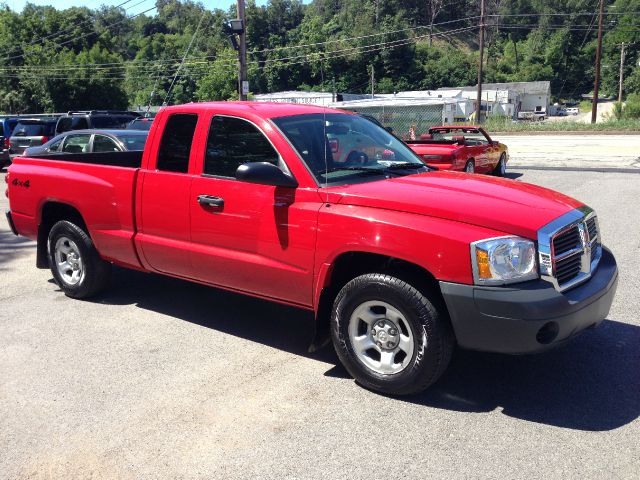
75 263
390 337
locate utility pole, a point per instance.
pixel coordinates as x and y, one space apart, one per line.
373 80
479 96
596 85
334 97
621 72
243 85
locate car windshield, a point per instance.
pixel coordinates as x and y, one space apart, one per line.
133 142
340 148
472 136
140 124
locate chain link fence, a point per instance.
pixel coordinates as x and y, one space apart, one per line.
410 121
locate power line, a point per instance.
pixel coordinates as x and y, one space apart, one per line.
186 52
232 59
362 49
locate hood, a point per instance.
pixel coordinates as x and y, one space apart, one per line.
504 205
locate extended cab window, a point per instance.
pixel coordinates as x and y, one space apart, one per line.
232 142
175 146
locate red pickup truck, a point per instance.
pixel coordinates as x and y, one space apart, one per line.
400 263
463 148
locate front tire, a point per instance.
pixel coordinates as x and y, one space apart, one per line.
390 336
501 168
75 263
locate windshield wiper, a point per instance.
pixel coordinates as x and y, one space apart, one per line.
370 170
406 165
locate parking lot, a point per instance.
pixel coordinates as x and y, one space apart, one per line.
161 378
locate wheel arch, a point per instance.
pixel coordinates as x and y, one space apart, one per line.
50 213
349 265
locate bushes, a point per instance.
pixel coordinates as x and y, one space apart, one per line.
629 110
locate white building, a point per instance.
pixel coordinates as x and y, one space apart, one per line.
309 98
515 98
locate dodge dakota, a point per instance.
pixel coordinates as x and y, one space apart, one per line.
400 263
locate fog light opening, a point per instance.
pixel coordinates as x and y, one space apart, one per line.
547 333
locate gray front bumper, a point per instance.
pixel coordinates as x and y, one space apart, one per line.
532 317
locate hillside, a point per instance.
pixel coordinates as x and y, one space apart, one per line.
113 57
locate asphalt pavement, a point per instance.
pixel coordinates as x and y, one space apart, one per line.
161 378
576 152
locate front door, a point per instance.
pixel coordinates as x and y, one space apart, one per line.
249 237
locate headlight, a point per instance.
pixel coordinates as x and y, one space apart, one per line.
498 261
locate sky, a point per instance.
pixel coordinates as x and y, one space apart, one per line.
18 5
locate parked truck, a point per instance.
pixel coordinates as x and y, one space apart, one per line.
399 262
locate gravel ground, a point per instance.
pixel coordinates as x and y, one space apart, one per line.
161 378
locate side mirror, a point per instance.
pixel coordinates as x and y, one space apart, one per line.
389 129
264 173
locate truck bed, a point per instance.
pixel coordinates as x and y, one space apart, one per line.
100 185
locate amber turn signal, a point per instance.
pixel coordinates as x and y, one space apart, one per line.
482 260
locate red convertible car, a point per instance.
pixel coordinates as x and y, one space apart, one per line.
464 148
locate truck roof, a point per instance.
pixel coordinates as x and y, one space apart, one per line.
263 109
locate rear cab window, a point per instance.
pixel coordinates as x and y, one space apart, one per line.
175 145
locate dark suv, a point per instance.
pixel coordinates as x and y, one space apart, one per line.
31 133
101 119
7 124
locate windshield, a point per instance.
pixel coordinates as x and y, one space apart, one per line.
133 142
355 148
472 136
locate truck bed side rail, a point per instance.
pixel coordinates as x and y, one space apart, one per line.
132 159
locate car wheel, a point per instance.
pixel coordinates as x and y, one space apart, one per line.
75 262
390 336
470 167
501 168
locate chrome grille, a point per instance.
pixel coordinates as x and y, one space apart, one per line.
569 248
566 241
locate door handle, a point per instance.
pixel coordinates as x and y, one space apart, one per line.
211 201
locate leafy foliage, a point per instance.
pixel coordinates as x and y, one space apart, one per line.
55 60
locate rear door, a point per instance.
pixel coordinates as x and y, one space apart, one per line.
76 143
163 228
250 237
103 143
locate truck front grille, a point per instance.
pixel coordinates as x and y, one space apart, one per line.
569 248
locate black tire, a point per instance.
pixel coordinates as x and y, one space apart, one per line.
433 339
499 171
96 272
470 166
